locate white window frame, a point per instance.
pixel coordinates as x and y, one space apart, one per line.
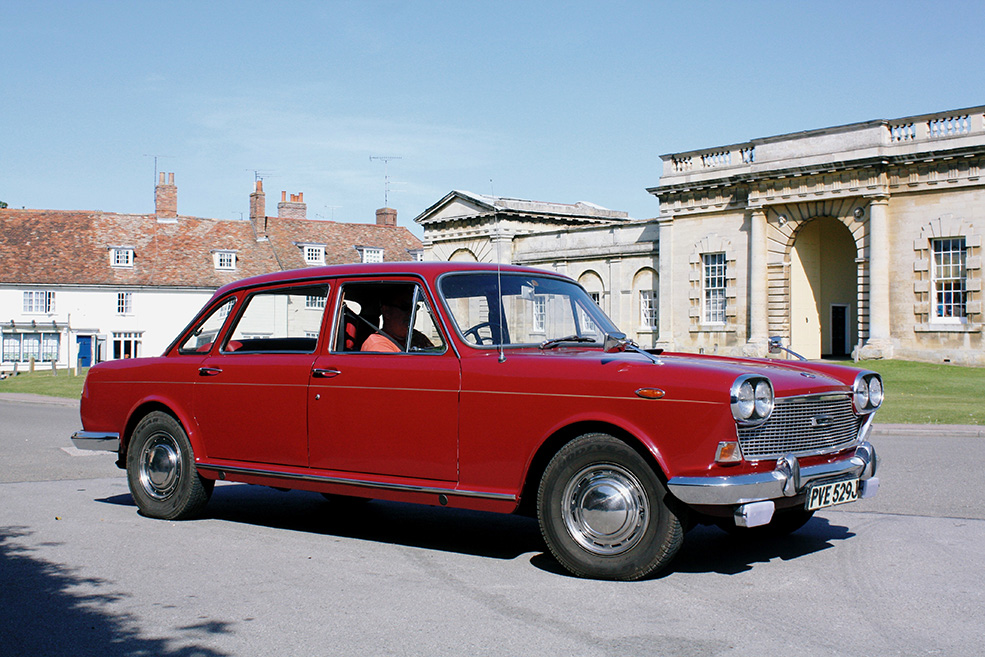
121 256
39 302
44 346
225 260
371 254
312 302
131 338
539 319
314 254
124 303
949 280
648 309
714 271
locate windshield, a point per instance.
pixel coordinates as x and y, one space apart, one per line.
512 309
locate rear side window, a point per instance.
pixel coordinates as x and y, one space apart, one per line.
201 339
285 320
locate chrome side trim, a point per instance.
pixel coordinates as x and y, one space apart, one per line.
407 488
97 440
787 480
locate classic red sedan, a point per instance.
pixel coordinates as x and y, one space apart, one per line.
494 388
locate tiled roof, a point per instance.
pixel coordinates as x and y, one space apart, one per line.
57 247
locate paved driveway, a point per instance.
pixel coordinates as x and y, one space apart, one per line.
288 573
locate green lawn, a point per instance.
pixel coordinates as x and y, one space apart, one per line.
916 393
929 393
43 382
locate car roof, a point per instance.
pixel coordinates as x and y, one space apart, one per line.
428 270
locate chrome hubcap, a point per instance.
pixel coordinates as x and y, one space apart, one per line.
160 465
605 509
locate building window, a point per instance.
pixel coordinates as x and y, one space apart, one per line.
21 347
417 255
124 303
126 345
648 309
713 287
950 276
121 256
314 254
540 314
225 260
313 302
38 301
370 254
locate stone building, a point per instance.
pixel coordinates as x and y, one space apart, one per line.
77 287
861 239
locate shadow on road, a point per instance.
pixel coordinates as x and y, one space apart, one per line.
492 535
48 609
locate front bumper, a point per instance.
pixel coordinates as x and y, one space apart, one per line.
97 440
788 479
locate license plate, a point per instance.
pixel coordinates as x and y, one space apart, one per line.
820 496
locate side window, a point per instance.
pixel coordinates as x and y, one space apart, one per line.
201 339
386 318
286 320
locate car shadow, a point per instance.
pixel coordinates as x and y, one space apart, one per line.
494 535
710 549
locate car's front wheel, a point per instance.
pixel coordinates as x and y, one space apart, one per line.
161 470
603 511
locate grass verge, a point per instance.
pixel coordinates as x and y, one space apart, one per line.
916 393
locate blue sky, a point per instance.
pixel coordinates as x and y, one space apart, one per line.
553 101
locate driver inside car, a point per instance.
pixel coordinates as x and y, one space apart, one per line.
396 308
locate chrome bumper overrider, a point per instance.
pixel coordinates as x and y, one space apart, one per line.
788 479
97 440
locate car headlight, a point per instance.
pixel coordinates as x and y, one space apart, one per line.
867 392
751 399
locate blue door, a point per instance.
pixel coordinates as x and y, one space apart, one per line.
85 350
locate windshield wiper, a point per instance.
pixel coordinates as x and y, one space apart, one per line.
547 344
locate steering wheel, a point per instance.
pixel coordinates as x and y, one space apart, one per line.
494 330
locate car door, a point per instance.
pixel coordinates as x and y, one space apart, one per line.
392 413
251 393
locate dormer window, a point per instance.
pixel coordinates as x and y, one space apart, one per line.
370 254
314 254
224 260
121 256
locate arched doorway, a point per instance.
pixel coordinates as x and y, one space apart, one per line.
823 290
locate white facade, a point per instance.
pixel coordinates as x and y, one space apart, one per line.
77 317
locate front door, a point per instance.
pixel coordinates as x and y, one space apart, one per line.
85 350
391 409
839 329
251 393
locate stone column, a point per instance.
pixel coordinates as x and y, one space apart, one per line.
665 270
757 342
879 343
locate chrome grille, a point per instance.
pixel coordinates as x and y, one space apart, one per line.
801 426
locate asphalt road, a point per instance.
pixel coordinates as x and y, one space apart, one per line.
288 573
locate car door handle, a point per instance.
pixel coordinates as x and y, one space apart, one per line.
209 371
321 373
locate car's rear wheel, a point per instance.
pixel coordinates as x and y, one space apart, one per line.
603 511
161 470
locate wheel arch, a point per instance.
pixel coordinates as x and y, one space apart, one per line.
560 437
145 408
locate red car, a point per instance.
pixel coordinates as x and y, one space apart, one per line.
494 388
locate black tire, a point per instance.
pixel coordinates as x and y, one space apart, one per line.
161 470
635 535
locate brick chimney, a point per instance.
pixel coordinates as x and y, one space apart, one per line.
166 198
293 209
258 210
386 217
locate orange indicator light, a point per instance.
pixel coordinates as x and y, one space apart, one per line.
650 393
